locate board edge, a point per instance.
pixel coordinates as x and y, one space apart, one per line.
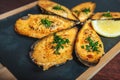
90 72
17 10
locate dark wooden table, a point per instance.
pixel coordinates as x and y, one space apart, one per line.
110 72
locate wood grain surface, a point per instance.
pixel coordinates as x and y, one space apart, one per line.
111 71
5 74
8 5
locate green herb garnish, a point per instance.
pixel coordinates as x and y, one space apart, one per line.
76 11
86 10
92 46
88 48
46 22
59 43
58 7
107 14
82 47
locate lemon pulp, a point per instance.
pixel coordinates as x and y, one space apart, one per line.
107 28
110 26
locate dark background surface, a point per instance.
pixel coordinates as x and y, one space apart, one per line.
14 48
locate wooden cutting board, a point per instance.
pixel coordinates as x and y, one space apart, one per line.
6 75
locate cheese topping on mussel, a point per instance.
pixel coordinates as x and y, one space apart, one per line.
106 15
84 10
55 8
55 49
41 25
89 47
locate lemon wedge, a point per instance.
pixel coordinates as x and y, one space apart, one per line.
107 28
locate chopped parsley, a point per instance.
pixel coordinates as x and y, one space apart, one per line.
82 47
59 43
76 11
46 22
92 46
86 10
58 7
107 14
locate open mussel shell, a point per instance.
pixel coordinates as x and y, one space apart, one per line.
45 12
86 62
51 13
34 61
65 12
31 52
25 17
30 55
